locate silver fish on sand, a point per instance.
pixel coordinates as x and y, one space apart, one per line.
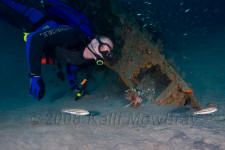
205 111
80 112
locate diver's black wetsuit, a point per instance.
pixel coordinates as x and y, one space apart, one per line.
63 43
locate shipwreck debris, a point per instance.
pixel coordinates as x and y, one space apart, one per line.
142 66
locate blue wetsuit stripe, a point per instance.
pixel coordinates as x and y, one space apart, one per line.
47 25
34 15
28 49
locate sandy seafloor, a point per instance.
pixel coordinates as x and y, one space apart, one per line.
26 124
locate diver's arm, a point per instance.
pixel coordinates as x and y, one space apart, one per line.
35 44
34 50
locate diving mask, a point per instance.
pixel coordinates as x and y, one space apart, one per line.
105 54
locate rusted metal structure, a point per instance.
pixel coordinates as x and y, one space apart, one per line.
141 66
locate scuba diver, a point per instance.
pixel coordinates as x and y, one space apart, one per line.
57 33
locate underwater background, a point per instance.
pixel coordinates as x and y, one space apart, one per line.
193 35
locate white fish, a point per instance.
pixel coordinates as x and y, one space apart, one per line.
80 112
128 105
185 34
205 111
148 3
187 10
144 25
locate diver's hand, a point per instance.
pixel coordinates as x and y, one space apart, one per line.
37 87
79 92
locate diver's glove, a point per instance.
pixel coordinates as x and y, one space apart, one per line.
80 89
71 75
37 87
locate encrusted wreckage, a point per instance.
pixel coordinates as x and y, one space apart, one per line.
138 61
144 70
